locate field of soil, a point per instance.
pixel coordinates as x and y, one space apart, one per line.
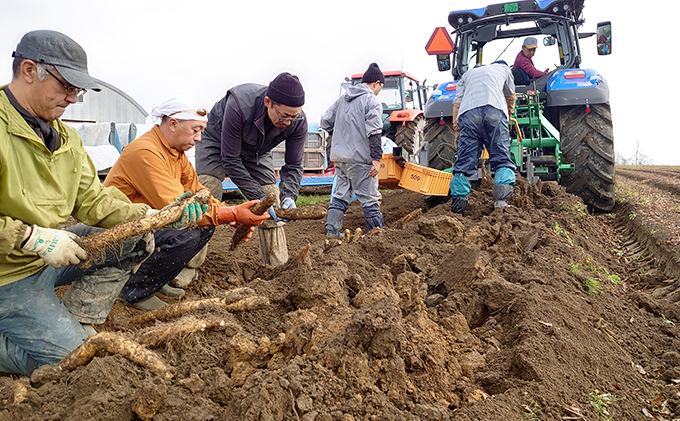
539 311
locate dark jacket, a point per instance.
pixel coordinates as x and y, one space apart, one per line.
239 130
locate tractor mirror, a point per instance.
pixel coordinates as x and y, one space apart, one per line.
443 62
549 40
604 38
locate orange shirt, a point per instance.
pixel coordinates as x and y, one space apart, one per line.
150 171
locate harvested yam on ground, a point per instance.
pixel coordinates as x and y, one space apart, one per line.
408 218
97 244
180 309
114 343
258 209
304 212
157 336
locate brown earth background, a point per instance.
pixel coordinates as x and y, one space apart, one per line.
540 311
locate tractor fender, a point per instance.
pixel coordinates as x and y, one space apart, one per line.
440 103
404 115
576 87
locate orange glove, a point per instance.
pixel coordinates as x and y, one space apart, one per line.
240 213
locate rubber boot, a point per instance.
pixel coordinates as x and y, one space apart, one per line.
503 188
374 218
171 292
336 211
151 303
89 329
213 184
459 204
334 223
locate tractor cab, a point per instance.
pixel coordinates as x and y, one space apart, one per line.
553 112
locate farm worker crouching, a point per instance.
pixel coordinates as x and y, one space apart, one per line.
243 128
154 170
355 119
485 98
45 177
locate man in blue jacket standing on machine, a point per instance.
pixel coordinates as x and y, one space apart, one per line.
485 100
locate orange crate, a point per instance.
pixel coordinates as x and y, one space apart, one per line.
389 175
425 180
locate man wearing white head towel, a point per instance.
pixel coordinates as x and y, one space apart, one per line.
154 170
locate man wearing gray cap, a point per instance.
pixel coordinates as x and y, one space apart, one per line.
243 128
45 177
524 60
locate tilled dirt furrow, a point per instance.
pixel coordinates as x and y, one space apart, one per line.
668 182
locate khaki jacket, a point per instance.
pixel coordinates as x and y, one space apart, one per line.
44 188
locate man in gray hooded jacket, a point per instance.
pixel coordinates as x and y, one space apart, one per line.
355 120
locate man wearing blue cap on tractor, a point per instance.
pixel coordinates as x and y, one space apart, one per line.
485 100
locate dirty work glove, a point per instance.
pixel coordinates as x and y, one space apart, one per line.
240 213
56 247
288 203
190 215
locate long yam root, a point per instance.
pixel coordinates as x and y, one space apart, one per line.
114 343
96 244
290 264
257 209
304 212
157 336
408 218
181 308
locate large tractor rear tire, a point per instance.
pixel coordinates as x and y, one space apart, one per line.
409 136
443 143
587 141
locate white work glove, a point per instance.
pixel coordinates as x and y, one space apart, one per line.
56 247
287 203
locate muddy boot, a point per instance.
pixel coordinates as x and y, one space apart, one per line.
171 292
151 303
501 194
459 204
334 223
213 184
503 187
374 218
89 329
189 273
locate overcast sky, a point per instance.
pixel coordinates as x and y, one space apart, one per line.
154 49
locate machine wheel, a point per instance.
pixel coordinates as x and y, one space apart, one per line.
409 136
443 143
587 141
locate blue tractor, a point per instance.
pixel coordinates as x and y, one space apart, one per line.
562 126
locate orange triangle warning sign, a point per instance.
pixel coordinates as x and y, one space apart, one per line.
440 42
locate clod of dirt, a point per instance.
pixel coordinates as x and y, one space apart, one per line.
527 312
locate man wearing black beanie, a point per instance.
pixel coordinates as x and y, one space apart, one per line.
243 127
355 119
